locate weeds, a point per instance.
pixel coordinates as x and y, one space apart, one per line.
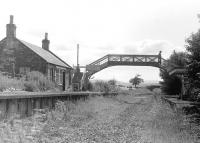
168 126
155 121
36 81
33 81
10 84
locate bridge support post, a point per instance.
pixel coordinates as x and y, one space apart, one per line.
159 57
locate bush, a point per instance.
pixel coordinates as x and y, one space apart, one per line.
152 87
31 86
112 82
103 86
36 81
90 86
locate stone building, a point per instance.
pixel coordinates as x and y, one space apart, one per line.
19 57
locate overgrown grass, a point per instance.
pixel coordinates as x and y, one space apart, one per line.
34 81
169 126
10 83
161 124
49 126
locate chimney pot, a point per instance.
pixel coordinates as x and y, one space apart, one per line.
46 36
11 19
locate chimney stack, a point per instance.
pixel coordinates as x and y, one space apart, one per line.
11 28
45 42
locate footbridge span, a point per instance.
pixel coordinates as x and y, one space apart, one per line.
124 60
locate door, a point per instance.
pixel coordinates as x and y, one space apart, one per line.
63 85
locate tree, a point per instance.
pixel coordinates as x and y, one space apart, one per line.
172 84
193 67
178 58
193 49
136 80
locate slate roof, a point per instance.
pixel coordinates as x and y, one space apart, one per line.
48 56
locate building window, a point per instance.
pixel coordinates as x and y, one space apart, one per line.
57 75
61 77
24 70
51 74
48 74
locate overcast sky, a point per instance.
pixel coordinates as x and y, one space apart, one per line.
105 27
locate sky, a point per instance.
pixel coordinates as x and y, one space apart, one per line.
104 27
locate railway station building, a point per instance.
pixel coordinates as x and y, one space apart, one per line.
19 57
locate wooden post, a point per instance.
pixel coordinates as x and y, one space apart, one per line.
29 106
3 108
23 107
12 107
183 86
50 103
37 103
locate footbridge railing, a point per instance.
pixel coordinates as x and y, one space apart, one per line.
124 60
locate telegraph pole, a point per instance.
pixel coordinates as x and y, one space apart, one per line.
77 55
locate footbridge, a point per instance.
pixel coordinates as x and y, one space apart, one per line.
124 60
119 60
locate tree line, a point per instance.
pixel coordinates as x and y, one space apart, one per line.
190 61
